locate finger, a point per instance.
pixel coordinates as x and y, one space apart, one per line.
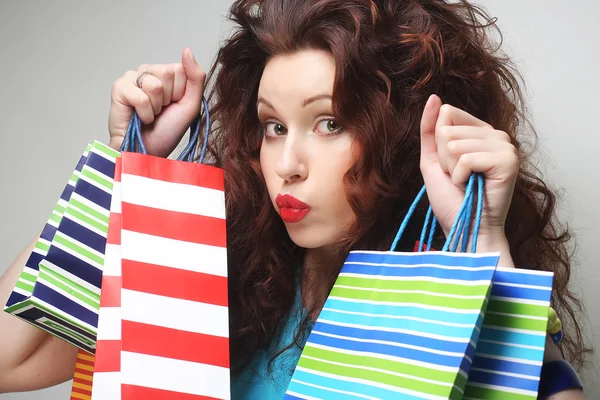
449 133
428 123
196 77
154 88
128 95
180 80
494 165
457 148
166 74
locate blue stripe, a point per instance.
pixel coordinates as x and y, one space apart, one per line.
48 232
435 258
411 311
93 194
503 380
465 365
290 397
424 327
67 192
82 234
521 293
75 266
499 335
65 304
393 337
34 260
523 278
464 275
15 298
101 165
353 387
377 348
506 366
510 351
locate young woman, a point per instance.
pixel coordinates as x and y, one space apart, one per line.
329 117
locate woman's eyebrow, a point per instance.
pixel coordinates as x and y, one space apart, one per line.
315 98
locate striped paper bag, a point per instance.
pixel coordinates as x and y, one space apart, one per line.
510 351
81 388
107 380
39 293
397 325
67 292
174 330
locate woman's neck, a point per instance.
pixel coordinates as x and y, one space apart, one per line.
319 271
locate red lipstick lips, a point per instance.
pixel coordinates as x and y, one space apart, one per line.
290 208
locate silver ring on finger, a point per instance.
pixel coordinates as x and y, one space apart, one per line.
140 78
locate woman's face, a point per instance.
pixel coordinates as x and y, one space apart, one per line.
305 153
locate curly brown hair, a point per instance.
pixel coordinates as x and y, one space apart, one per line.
390 56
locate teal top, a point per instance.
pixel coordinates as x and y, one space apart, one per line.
257 381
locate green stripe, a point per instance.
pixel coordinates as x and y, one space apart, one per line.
15 308
74 177
59 209
84 218
69 282
55 218
78 249
88 173
515 322
518 308
448 288
388 365
102 148
376 376
28 277
24 286
69 289
491 394
88 210
440 301
42 246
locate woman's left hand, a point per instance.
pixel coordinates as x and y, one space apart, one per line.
453 145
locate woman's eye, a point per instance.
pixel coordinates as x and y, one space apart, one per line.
273 129
328 127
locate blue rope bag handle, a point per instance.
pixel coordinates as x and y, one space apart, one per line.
133 141
461 225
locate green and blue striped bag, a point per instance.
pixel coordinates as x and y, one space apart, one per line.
59 289
400 325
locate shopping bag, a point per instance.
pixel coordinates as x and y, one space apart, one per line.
400 325
65 296
510 351
106 374
81 388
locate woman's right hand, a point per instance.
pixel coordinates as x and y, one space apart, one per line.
167 103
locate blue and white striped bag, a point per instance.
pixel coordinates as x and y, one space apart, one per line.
64 273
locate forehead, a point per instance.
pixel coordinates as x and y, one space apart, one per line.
298 74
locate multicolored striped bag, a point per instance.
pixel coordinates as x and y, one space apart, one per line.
66 293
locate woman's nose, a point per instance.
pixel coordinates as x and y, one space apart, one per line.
291 165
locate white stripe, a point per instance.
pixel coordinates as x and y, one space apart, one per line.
523 346
445 295
22 292
112 260
62 202
489 371
504 389
512 359
417 254
173 253
52 223
522 301
333 390
75 219
395 344
301 396
39 251
57 214
501 328
173 196
417 278
103 150
93 182
175 375
44 241
416 305
70 276
107 385
109 323
115 203
167 312
27 281
69 296
518 315
525 271
407 331
91 205
372 383
430 321
72 182
519 285
421 265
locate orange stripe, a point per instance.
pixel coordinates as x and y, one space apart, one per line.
83 387
85 356
83 377
174 225
85 362
174 283
168 170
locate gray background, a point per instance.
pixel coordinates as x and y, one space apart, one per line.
59 59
